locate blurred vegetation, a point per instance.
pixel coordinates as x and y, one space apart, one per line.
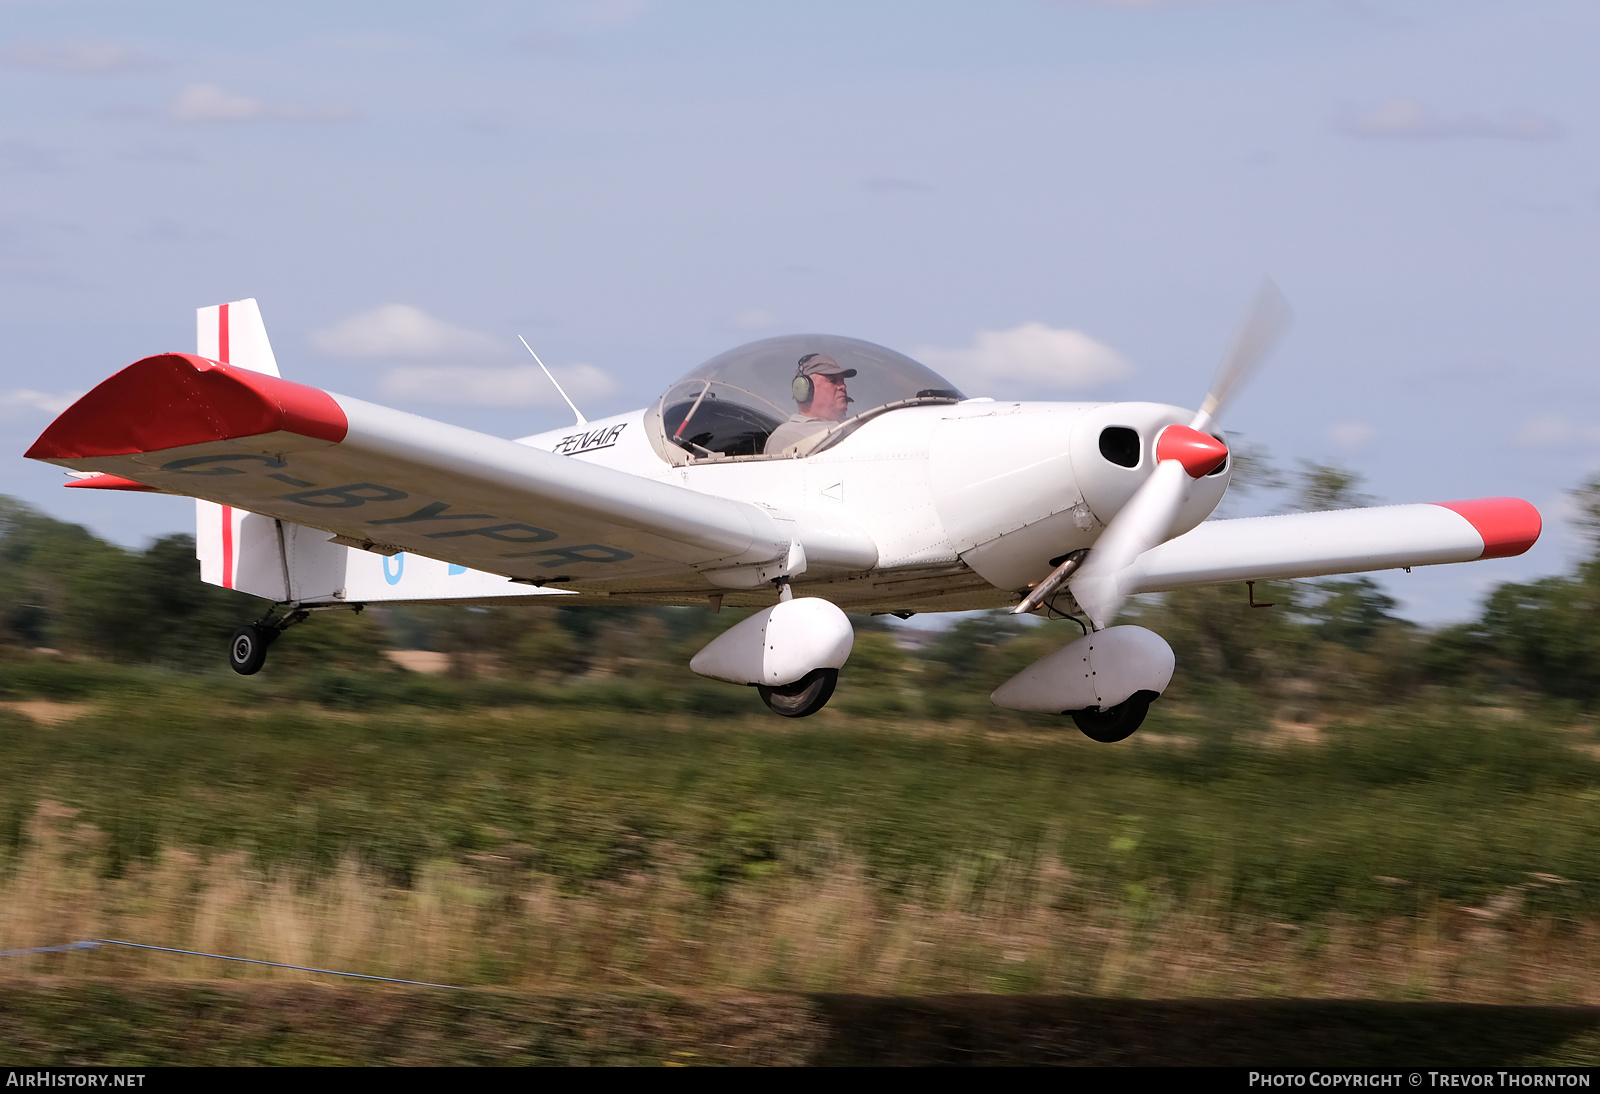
1321 761
1326 648
1376 817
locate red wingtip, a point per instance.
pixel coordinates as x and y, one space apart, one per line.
177 399
108 482
1509 526
1199 453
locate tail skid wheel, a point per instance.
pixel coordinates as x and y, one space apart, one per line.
247 649
1116 723
805 696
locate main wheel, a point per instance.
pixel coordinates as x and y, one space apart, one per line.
1117 723
806 695
247 649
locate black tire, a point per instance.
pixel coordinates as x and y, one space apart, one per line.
1117 723
247 649
805 696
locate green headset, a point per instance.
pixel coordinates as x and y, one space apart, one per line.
804 388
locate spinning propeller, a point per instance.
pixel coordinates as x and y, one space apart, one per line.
1183 454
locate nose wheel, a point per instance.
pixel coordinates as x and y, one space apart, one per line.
1115 723
805 696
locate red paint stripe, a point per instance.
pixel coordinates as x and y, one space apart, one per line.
179 399
1509 526
227 546
224 351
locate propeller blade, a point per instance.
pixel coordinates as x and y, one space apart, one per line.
1183 454
1269 316
1138 526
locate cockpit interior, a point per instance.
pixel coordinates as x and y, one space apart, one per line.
731 406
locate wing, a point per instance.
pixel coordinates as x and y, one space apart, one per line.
389 481
1343 541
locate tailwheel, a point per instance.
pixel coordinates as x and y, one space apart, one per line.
247 649
805 696
1114 723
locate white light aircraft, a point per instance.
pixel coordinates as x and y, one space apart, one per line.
803 476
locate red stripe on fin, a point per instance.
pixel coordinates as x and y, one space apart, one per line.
227 546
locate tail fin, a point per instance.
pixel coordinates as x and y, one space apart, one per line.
281 561
234 334
238 550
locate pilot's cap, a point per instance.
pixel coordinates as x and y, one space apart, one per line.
820 364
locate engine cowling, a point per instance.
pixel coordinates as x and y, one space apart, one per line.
1097 672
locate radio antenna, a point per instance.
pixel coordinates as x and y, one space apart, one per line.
576 413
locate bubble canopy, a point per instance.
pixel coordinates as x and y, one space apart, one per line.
734 403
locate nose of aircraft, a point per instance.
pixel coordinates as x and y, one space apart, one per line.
1199 453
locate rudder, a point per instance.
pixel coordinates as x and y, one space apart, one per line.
236 549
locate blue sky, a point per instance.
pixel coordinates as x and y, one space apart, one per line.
637 186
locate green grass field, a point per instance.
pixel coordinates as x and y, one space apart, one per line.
496 835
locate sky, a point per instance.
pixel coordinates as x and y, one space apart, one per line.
1057 200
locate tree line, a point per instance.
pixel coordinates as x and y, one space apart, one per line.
1332 641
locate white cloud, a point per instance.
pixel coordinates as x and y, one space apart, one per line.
517 385
1555 431
1410 119
1033 355
402 331
28 399
78 57
1351 435
210 103
754 319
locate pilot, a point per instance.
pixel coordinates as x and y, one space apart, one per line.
819 391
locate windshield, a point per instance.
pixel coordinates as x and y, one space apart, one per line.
784 396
